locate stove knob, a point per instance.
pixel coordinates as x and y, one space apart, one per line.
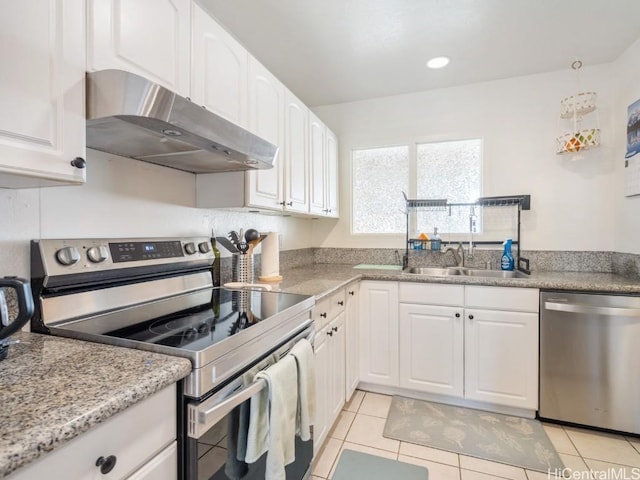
190 248
68 256
98 254
204 247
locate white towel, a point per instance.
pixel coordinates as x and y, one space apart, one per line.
303 353
256 444
280 409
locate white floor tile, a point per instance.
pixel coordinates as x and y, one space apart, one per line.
375 405
356 399
612 470
635 442
323 465
366 430
342 425
314 477
473 475
428 453
604 447
437 471
491 468
573 462
531 475
560 439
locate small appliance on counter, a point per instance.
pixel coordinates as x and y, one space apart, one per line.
24 298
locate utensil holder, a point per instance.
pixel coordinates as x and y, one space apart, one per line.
242 268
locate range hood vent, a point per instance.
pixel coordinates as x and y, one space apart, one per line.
130 116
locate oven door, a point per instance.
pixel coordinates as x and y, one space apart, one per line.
216 433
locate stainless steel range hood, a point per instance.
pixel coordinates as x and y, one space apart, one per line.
130 116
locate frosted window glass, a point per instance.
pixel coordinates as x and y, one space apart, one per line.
451 171
380 175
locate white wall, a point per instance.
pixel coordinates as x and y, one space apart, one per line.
122 197
627 209
518 118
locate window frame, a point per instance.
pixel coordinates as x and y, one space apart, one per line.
412 146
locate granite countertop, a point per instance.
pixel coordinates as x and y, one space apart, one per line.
53 389
323 279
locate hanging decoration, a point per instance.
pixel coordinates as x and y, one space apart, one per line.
573 110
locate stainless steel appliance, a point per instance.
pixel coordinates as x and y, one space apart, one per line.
157 294
590 360
131 116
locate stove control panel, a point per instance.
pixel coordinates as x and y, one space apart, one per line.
62 257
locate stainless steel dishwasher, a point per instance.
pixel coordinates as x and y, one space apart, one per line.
590 360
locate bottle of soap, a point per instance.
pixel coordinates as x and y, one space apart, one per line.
436 242
506 262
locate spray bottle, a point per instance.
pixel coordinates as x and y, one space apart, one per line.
506 262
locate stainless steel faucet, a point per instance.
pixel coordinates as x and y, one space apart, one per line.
458 254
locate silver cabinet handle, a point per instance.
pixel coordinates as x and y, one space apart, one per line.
592 309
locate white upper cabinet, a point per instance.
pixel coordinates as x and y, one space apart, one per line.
296 165
331 181
218 69
42 126
150 38
266 119
317 165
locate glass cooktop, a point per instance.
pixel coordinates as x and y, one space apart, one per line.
228 313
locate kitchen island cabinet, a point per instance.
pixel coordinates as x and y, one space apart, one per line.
150 38
42 124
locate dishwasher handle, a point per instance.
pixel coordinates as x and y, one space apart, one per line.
592 309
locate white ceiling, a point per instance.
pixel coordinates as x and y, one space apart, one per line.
333 51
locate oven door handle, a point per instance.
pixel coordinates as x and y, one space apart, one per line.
215 413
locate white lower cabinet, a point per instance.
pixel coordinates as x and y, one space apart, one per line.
473 342
329 318
140 440
352 339
379 333
432 349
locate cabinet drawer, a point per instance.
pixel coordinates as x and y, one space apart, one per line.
133 436
163 466
432 294
502 298
321 313
337 303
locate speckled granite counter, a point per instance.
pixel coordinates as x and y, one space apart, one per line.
53 389
323 279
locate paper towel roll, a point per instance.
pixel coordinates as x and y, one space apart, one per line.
270 271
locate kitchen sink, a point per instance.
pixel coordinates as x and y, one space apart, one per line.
465 272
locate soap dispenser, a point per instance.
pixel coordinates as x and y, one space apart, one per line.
506 262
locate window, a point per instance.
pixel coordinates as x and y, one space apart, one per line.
379 177
449 170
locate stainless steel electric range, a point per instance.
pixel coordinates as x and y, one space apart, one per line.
157 294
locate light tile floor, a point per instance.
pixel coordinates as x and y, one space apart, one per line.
360 425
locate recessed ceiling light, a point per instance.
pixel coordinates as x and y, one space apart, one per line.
438 62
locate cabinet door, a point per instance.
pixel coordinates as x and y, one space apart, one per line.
501 357
296 155
266 119
148 37
337 354
431 349
322 368
352 340
317 166
379 337
163 466
42 125
331 181
219 69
